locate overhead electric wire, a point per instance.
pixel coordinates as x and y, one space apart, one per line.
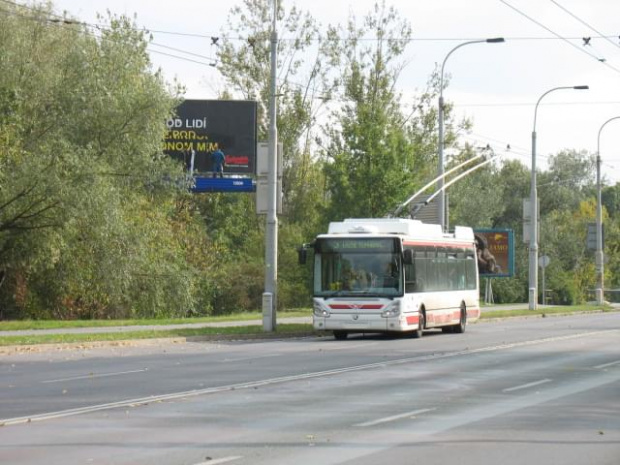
336 95
210 35
182 58
580 49
57 18
584 23
526 104
343 39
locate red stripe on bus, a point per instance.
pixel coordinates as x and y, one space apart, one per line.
473 312
356 307
468 245
413 320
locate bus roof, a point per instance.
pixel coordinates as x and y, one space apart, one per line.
397 226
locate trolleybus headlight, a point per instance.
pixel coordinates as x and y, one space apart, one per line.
319 310
392 310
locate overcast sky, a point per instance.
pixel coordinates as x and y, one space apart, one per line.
496 85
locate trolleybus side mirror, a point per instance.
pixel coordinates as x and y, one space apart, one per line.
408 257
302 255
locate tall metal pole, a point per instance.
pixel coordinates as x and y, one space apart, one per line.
533 265
600 255
440 111
533 259
271 232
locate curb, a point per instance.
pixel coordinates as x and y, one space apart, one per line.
39 348
35 348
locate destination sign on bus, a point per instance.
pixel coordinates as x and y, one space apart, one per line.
356 244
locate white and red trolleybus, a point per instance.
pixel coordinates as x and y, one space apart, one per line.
393 274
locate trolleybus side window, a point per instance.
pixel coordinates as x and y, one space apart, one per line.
421 264
440 269
471 271
435 269
441 272
461 270
411 275
452 268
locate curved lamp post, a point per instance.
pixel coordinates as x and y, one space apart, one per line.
442 204
600 264
533 263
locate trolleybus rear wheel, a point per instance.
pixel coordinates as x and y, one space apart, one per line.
460 328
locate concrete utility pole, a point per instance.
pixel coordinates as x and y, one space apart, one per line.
600 255
271 229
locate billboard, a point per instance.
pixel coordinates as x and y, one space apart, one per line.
495 250
200 127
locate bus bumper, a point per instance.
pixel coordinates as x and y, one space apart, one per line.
352 323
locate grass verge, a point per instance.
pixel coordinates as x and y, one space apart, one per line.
561 310
214 333
61 324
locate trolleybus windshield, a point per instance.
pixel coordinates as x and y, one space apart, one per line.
357 266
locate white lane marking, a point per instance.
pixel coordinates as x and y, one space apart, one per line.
528 385
243 359
222 460
102 375
285 379
607 365
395 417
348 346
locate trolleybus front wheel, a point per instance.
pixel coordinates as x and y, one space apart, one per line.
417 333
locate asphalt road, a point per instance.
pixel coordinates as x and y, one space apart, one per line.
542 391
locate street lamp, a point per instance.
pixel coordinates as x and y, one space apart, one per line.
600 266
441 201
533 270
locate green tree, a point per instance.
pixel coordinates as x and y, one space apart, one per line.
303 88
88 211
610 196
370 159
568 180
571 272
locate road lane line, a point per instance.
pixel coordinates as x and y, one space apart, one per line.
607 365
244 359
102 375
290 378
222 460
528 385
347 346
395 417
